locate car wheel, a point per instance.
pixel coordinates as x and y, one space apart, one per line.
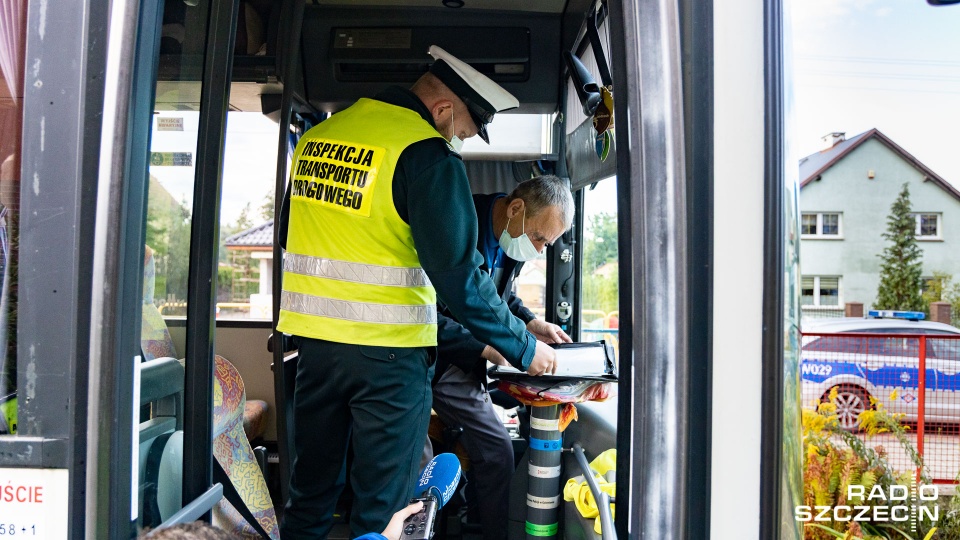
851 401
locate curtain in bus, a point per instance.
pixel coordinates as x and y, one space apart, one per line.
13 14
583 163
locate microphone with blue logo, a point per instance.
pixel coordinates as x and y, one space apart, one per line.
438 482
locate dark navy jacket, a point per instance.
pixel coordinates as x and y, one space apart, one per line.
456 345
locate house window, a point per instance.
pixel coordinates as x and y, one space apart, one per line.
820 291
928 226
820 225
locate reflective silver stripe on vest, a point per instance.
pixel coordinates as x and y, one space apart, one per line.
307 304
391 276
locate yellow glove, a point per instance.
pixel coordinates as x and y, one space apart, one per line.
607 461
572 487
577 490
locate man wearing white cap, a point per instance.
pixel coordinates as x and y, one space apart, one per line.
382 224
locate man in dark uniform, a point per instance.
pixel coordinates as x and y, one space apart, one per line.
380 225
534 215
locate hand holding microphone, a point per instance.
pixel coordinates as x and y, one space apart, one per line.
438 481
395 527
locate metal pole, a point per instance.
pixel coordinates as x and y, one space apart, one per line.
204 248
602 499
655 363
922 400
290 50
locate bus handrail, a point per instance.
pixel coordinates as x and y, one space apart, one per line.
195 509
603 499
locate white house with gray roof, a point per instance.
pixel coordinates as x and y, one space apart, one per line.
257 242
846 191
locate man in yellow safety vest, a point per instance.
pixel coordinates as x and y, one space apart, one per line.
381 223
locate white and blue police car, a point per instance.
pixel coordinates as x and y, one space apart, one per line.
881 361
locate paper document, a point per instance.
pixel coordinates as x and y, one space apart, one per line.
575 362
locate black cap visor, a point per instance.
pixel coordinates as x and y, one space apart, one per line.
481 111
480 119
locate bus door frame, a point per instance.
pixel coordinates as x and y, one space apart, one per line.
658 273
81 251
57 205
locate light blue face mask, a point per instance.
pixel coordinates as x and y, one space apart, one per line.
455 142
519 248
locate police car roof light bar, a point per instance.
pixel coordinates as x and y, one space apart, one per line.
891 314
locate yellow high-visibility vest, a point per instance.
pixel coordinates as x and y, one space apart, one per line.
351 273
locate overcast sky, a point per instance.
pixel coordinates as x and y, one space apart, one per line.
893 65
250 161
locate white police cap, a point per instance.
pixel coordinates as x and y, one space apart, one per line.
482 96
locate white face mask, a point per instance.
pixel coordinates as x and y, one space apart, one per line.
519 248
455 142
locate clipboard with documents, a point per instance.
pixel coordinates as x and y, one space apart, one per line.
590 361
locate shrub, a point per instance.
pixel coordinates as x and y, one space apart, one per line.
835 459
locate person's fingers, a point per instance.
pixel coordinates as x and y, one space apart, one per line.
412 509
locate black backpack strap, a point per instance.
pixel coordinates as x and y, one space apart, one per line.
231 494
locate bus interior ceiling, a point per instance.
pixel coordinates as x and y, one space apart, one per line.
352 49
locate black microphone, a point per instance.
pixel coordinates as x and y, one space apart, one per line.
438 481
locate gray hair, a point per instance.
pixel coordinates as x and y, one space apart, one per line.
543 191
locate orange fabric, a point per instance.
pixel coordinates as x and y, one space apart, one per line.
254 418
575 392
568 413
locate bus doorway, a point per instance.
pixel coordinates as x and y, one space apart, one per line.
692 170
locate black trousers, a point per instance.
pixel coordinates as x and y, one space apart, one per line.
378 398
460 399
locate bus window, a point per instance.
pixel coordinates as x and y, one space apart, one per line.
600 291
246 219
169 206
244 279
11 124
170 211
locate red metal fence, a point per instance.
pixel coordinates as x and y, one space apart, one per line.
915 377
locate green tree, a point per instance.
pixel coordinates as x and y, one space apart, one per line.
900 266
8 368
942 288
266 209
600 292
244 221
177 260
599 289
602 248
